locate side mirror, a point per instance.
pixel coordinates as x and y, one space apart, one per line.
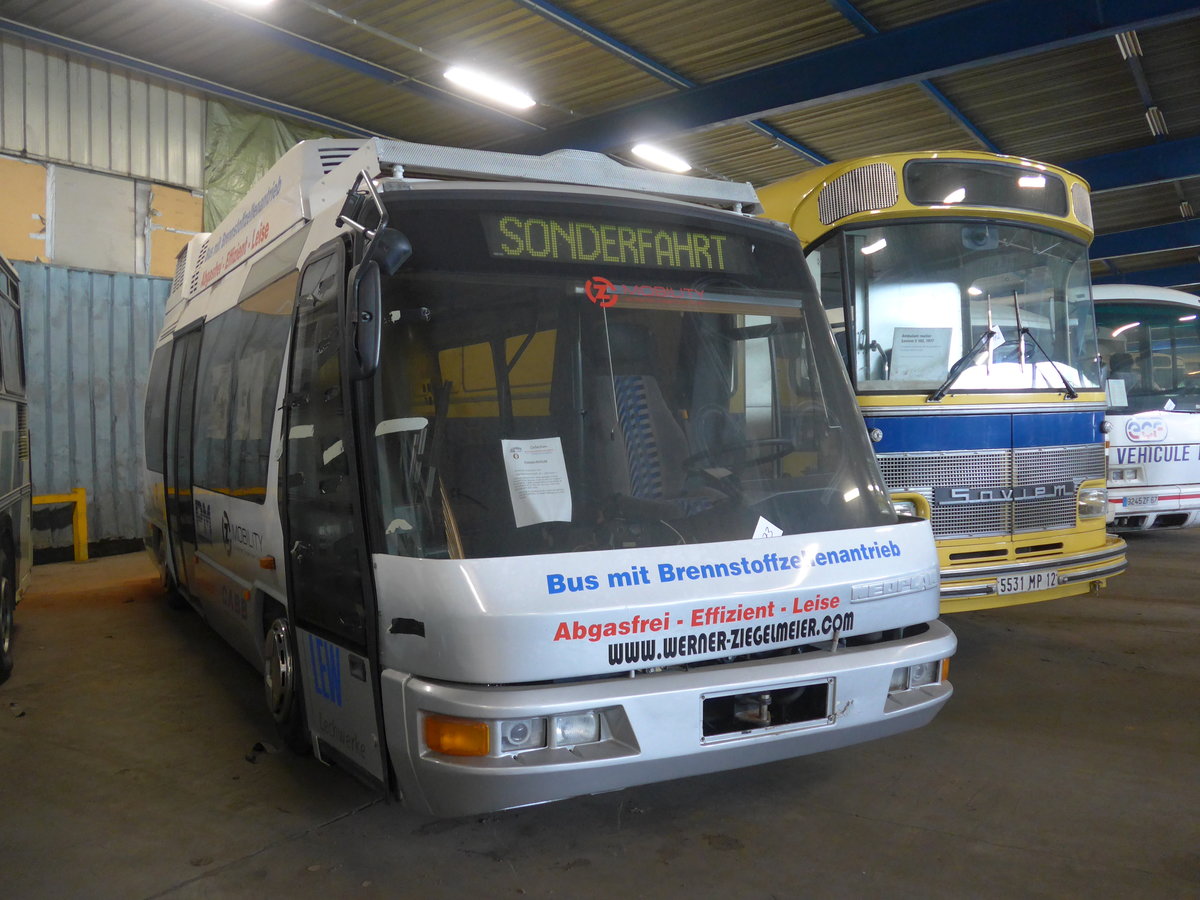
366 304
390 248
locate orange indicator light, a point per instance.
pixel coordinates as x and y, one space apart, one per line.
457 737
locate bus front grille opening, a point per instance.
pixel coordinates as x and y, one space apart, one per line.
734 714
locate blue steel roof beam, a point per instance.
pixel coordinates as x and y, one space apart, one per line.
1174 276
216 89
866 26
252 25
991 32
1152 164
1172 236
635 57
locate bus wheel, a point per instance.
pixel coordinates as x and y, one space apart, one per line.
281 681
8 603
175 598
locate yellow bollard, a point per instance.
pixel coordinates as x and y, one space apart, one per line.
79 528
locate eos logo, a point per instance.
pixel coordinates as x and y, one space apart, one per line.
1146 430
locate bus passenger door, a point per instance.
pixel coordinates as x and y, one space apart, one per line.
181 520
330 590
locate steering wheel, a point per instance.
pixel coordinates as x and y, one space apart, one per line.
768 450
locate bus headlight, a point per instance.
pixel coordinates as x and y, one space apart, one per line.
1093 503
919 675
580 728
522 734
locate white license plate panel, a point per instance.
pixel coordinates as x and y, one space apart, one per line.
1143 500
1026 582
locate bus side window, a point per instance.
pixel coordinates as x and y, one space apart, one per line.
11 353
156 409
239 379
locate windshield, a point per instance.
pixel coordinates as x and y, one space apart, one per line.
960 306
1151 354
534 398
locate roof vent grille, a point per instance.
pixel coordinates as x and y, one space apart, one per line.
870 187
332 157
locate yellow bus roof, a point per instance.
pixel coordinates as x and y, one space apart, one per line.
795 201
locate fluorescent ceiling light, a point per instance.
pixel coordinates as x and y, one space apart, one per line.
1124 328
1031 181
487 86
875 247
1191 318
657 156
956 196
974 291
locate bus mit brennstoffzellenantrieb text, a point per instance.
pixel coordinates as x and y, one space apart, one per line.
529 477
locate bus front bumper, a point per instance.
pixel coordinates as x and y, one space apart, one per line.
652 724
1154 507
1032 580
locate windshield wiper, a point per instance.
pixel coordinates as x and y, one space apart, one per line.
1071 393
1022 331
964 363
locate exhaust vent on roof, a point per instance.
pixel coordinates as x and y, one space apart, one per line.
200 257
180 268
332 157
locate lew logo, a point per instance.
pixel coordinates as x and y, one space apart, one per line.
1140 430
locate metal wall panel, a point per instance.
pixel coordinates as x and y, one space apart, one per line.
59 107
88 341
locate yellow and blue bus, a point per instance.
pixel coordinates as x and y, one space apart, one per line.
958 289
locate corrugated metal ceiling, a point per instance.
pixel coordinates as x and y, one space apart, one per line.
377 66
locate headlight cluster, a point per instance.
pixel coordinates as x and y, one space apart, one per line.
502 737
1093 503
1128 475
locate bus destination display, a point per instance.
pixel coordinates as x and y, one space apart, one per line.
563 240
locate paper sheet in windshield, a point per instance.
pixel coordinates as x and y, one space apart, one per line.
920 354
537 481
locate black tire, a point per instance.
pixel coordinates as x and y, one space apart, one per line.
175 598
282 687
8 606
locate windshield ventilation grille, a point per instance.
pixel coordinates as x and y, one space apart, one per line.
871 187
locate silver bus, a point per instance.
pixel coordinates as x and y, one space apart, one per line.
522 478
16 494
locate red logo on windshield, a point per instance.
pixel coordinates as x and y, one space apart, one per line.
600 291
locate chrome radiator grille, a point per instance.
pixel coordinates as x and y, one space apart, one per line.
923 472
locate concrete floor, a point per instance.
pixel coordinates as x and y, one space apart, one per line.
1066 765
